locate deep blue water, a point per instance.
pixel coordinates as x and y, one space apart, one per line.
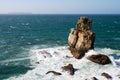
18 33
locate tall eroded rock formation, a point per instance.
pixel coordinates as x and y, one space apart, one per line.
81 38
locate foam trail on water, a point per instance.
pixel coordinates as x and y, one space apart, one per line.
49 59
13 60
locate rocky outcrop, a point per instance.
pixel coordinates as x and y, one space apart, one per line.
100 59
69 68
81 38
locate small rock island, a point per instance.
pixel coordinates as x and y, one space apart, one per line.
81 40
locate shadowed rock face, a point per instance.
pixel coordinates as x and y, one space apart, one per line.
81 39
76 53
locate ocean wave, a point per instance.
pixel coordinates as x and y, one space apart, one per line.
116 22
48 59
116 38
13 60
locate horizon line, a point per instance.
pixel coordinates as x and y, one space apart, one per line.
59 14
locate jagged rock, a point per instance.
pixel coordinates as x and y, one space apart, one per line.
69 68
81 39
83 23
106 75
54 72
100 59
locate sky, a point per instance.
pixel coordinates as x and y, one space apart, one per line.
60 6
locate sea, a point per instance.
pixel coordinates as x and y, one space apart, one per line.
31 45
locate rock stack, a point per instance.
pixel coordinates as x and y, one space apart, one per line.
81 38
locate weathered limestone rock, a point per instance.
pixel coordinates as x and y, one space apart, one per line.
100 59
81 39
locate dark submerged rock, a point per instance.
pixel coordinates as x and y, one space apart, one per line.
106 75
100 59
54 72
69 68
94 78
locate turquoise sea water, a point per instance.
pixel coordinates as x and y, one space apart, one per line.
18 33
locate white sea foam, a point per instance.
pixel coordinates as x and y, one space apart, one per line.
54 58
12 27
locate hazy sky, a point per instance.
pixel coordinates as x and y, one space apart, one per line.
60 6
